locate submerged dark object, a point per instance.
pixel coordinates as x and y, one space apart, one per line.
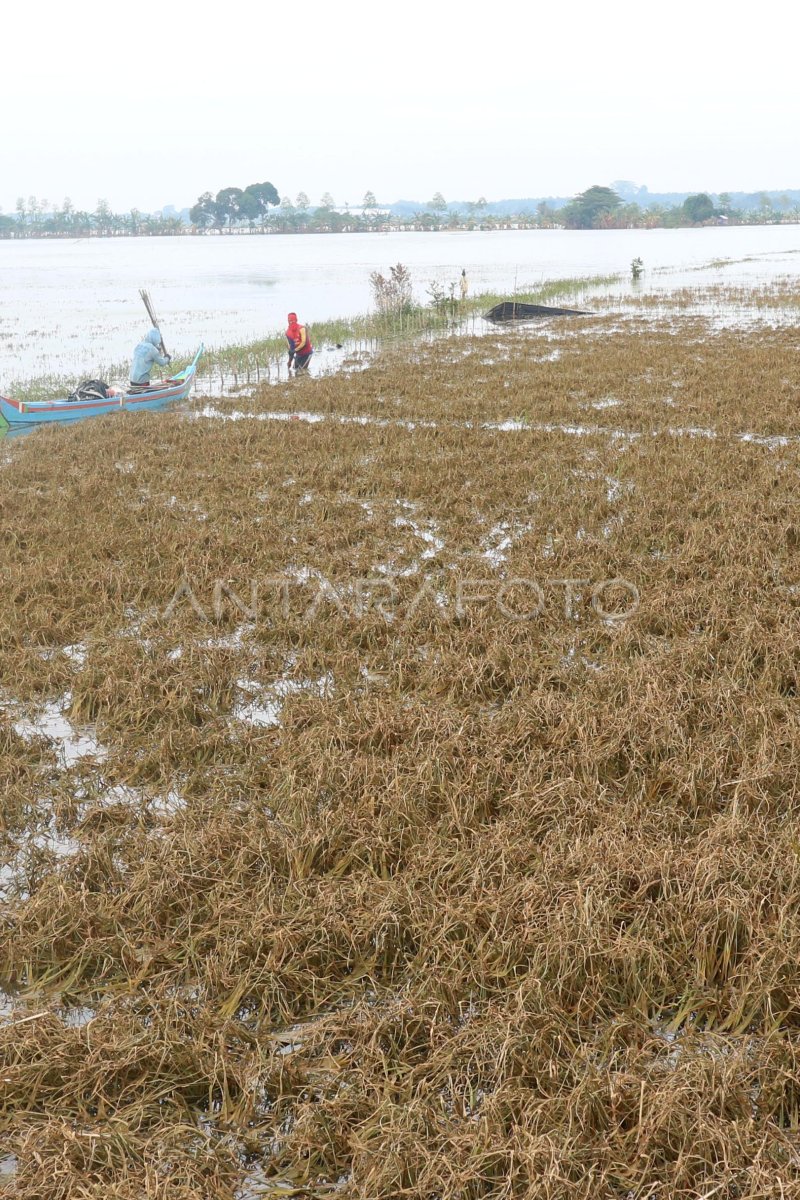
515 310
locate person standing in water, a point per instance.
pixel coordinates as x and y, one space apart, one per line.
300 348
463 285
145 357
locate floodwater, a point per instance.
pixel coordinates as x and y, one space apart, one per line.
73 307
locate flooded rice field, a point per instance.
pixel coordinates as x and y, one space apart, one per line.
399 775
73 308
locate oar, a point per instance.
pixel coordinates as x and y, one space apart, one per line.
149 306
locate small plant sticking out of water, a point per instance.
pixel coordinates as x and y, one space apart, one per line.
392 295
637 269
443 299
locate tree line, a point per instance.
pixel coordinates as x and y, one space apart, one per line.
38 218
259 208
602 208
596 208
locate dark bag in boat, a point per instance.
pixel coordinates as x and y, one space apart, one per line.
90 389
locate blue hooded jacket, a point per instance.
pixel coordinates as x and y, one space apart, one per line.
145 356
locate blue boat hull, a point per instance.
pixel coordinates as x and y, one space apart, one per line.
19 413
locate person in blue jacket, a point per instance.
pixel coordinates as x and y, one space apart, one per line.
145 357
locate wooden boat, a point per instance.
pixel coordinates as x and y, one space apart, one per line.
40 412
515 310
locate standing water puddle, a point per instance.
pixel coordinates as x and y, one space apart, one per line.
52 723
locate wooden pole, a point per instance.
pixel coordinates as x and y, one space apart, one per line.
149 306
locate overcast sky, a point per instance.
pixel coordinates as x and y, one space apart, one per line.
151 105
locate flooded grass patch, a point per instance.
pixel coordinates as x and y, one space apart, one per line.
409 857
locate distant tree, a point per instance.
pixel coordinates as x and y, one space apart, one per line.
326 200
765 204
653 216
287 212
34 210
229 202
698 208
264 194
62 218
204 212
476 207
302 201
437 203
629 216
249 207
544 213
103 217
329 219
369 200
589 207
725 203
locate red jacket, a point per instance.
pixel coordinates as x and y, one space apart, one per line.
297 337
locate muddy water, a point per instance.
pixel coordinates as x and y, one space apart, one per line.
73 307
